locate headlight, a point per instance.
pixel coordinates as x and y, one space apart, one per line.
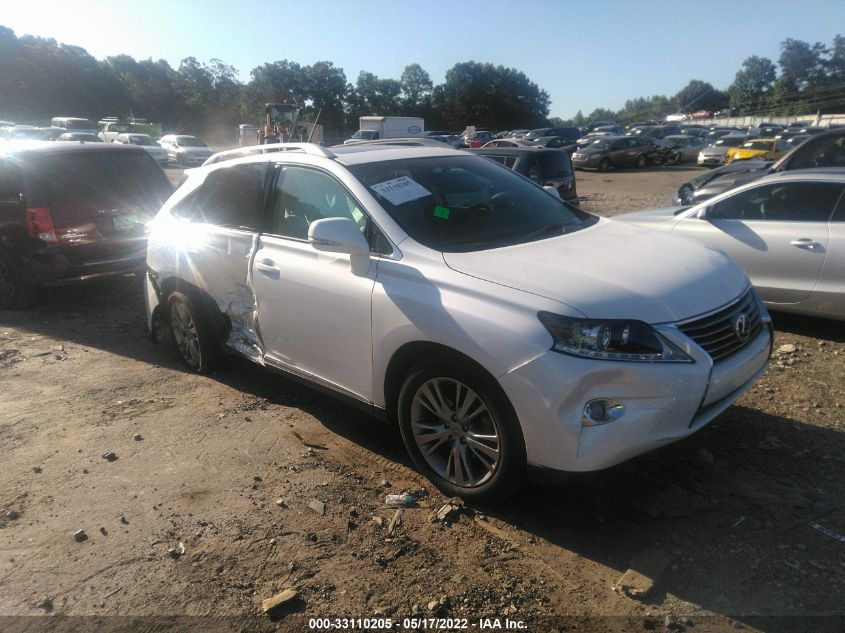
610 339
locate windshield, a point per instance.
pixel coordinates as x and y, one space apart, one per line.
79 124
729 142
600 144
763 145
368 135
467 203
144 141
189 141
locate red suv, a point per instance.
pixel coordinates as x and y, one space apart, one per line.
71 212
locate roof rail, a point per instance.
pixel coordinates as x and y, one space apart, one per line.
409 141
239 152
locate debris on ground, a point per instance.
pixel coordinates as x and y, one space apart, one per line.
137 437
448 511
176 552
103 531
317 506
37 469
281 503
309 444
827 531
645 571
403 500
12 515
498 559
274 602
395 522
80 536
787 348
110 456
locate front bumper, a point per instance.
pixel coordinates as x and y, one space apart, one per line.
664 402
582 162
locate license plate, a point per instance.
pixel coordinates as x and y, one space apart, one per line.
128 221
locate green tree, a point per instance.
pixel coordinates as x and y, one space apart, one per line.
751 82
416 85
488 96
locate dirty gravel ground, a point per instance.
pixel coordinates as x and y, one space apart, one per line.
222 465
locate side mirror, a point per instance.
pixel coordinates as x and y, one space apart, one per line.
552 190
337 235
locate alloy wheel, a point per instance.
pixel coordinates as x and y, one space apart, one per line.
185 334
455 432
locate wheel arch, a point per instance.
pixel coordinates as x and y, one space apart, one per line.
222 323
412 352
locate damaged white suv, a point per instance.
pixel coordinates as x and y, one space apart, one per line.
501 327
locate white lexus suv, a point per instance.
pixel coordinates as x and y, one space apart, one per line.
502 328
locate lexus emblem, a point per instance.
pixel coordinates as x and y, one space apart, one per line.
741 328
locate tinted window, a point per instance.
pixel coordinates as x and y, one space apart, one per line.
9 186
99 180
80 124
303 196
461 203
555 164
231 197
826 152
782 202
507 161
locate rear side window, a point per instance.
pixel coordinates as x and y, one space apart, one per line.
781 202
828 152
10 187
507 161
232 197
556 164
98 180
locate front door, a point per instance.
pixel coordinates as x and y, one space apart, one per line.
314 310
778 233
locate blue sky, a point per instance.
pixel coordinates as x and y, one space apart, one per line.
584 53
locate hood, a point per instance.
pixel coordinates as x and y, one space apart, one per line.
715 151
730 181
651 215
704 178
613 270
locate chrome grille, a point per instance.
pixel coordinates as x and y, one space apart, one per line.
717 334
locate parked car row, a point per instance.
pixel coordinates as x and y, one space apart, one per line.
182 149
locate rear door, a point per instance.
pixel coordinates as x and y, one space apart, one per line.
778 233
314 307
225 216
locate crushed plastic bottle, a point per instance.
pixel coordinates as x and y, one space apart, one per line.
399 501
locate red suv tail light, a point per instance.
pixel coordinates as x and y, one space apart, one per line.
39 221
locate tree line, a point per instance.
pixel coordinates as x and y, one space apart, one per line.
811 80
40 78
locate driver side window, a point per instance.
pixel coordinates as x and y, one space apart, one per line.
781 202
304 195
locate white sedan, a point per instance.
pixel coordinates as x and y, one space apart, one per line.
500 327
148 143
787 231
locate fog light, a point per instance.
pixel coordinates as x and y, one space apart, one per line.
602 411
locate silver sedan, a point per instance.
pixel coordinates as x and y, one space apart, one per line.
787 231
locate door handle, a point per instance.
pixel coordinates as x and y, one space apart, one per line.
805 242
266 266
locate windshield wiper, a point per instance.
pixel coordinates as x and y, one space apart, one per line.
556 227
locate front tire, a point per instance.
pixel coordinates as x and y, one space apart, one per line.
641 161
604 164
461 431
193 334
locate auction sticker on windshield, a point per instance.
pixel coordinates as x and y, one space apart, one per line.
400 190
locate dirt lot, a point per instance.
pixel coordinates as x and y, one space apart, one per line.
211 500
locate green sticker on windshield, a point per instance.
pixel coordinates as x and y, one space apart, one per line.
441 212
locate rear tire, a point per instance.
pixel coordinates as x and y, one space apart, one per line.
604 164
641 161
15 292
194 336
473 448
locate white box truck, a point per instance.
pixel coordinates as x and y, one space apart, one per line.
375 128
